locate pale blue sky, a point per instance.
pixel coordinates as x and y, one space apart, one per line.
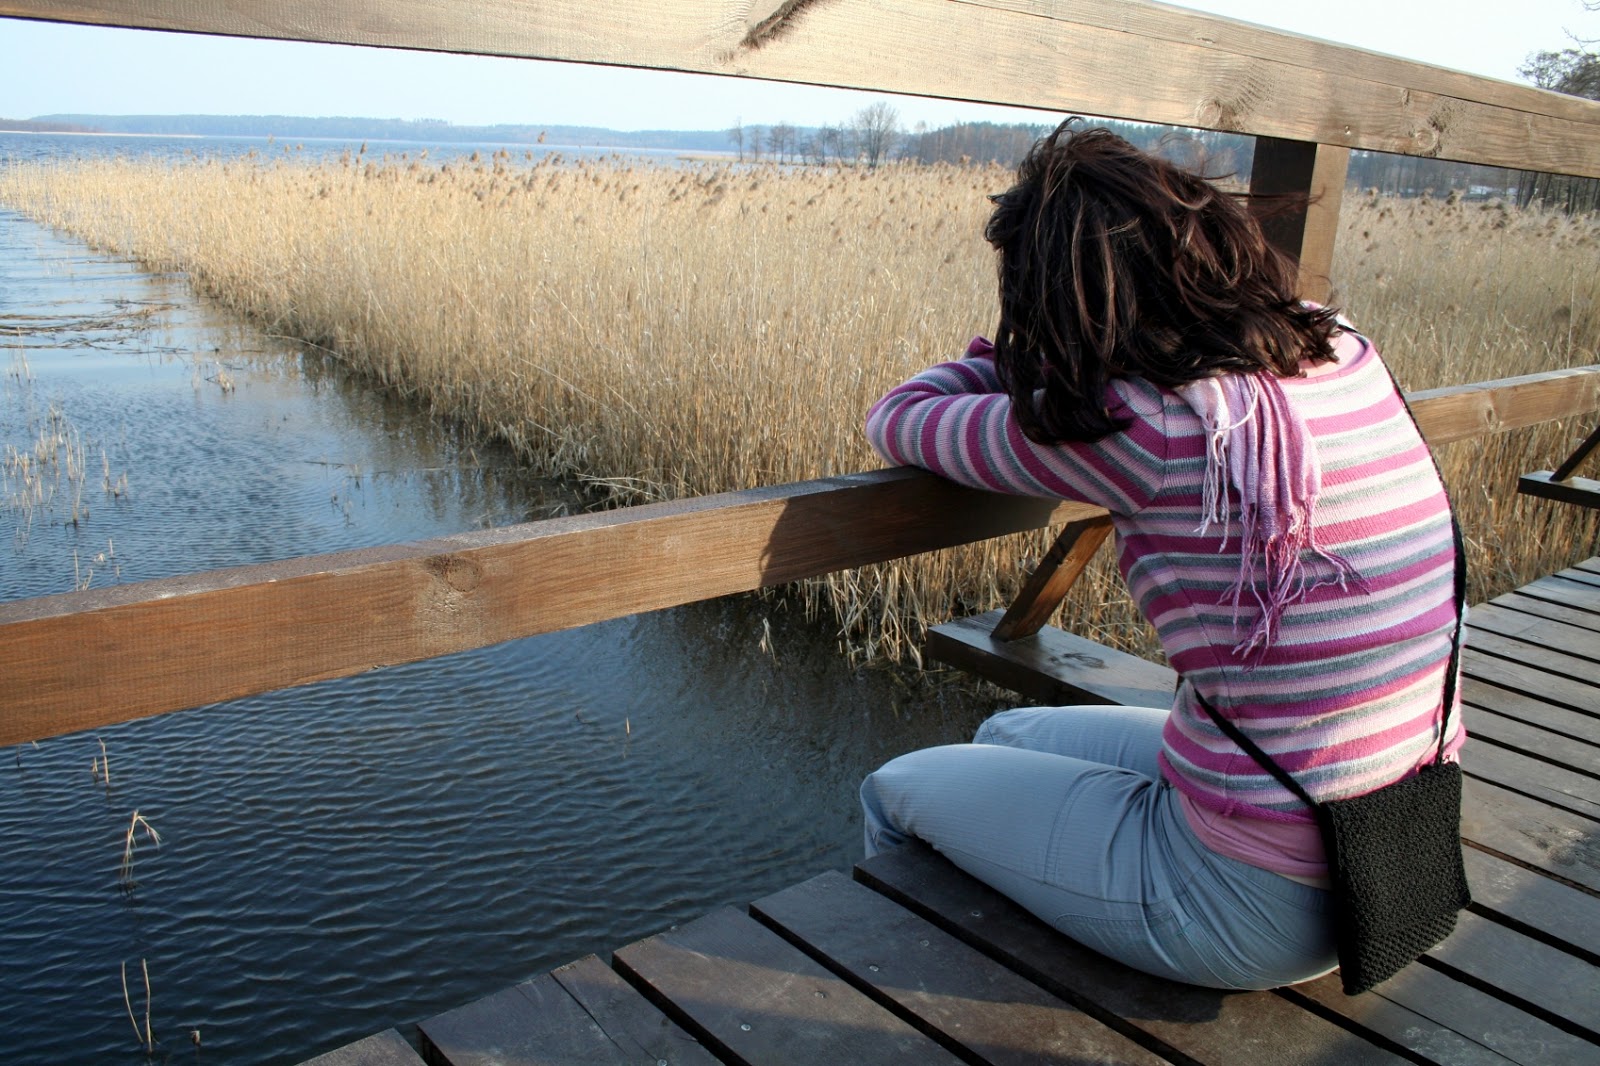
47 69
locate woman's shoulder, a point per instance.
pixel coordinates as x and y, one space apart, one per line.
1139 398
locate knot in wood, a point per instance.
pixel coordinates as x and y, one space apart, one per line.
461 575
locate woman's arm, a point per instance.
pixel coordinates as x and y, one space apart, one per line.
955 420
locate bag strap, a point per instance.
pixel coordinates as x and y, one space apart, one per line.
1266 762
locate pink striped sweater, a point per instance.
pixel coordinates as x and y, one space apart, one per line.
1347 697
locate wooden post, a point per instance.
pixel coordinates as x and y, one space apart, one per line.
1307 232
1054 577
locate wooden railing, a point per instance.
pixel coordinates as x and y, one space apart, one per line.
89 659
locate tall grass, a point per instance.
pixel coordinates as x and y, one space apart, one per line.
663 331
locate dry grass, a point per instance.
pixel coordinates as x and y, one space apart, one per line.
663 331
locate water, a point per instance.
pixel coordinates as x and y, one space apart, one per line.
30 147
347 856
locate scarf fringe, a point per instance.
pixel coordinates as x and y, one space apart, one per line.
1265 454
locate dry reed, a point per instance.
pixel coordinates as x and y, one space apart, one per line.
129 842
663 331
146 1039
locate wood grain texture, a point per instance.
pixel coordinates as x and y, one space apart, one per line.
967 1002
1309 232
1535 834
387 1048
1578 491
1052 667
1457 412
1157 65
88 659
1575 662
1540 978
532 1024
1582 642
645 1035
1053 578
1529 605
751 997
1516 895
1550 784
1442 1020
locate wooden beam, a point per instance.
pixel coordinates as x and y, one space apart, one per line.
88 659
1311 178
1053 578
82 660
1118 60
1457 412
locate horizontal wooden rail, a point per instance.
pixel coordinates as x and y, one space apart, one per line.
1144 62
82 660
89 659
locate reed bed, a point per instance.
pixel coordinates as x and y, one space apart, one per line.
658 331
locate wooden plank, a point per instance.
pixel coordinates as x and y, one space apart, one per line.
1457 412
1573 616
1576 641
644 1034
1586 577
970 1004
1534 712
1574 754
1448 1021
1579 491
1535 904
1309 230
1541 980
387 1048
1531 681
1052 667
1557 590
1511 770
535 1023
751 997
1591 566
1205 1025
88 659
1545 838
1555 660
1579 455
1176 75
1053 578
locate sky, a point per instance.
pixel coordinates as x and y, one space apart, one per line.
61 69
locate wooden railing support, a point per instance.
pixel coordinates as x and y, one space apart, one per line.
1311 178
1053 578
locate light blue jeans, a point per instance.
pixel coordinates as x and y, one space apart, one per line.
1064 810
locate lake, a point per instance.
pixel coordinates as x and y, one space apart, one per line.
342 857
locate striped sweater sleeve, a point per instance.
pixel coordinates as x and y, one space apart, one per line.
955 420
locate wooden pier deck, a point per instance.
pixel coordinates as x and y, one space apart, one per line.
907 960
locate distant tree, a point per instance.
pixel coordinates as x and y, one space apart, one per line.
781 141
753 136
736 135
1576 72
831 142
876 130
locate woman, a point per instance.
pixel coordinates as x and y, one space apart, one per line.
1280 523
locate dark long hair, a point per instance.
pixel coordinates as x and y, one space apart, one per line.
1114 264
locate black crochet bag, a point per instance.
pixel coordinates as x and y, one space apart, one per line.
1394 855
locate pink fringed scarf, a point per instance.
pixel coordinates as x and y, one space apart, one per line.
1261 448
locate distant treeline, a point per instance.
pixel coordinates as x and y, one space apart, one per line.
874 136
288 127
33 125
